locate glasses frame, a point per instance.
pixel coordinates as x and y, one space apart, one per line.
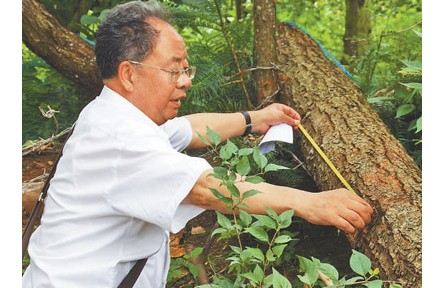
189 71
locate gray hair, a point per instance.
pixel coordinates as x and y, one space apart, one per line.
125 35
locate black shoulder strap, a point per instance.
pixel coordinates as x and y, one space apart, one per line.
133 274
135 271
38 207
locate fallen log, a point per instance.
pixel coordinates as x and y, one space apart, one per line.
355 139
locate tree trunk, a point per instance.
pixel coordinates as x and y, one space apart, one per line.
334 112
357 27
66 52
264 50
354 138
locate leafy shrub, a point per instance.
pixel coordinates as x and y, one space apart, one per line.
258 265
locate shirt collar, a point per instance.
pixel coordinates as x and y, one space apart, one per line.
125 107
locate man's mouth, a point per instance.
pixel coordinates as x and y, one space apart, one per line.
176 102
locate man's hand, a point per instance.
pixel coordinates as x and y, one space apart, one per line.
340 208
273 114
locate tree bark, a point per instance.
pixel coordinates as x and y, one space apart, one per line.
264 51
66 52
357 27
354 138
334 112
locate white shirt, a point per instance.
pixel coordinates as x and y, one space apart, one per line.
116 194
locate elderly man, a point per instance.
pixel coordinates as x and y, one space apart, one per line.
123 184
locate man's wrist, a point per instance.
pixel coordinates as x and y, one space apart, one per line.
248 120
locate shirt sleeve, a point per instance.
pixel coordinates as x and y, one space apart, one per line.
152 180
179 132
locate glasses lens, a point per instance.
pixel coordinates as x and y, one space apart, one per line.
191 71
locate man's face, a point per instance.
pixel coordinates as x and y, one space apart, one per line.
159 93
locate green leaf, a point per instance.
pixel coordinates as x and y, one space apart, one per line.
245 217
274 167
228 150
329 271
255 278
413 85
250 193
419 124
374 272
374 284
270 256
193 269
259 233
245 151
278 250
234 191
395 285
203 140
213 136
235 249
221 197
242 206
266 221
243 166
310 269
103 14
231 146
287 215
219 172
273 214
197 251
219 231
245 255
216 193
256 253
353 280
405 109
254 179
88 20
258 271
380 99
223 220
359 263
225 153
279 281
268 280
282 239
259 158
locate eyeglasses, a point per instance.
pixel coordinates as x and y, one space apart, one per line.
175 74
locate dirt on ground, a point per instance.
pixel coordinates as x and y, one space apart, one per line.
324 243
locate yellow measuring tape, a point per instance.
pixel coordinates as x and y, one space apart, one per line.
326 159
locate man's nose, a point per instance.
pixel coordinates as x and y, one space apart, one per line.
184 81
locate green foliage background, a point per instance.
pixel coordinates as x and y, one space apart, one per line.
396 26
42 86
206 27
389 74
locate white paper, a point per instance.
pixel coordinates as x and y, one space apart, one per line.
281 132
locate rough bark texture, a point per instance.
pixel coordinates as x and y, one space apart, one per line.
66 52
358 27
264 50
352 135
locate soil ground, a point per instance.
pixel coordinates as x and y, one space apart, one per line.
320 242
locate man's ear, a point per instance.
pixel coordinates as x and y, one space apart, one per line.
126 73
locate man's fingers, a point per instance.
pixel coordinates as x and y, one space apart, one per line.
344 225
354 219
363 209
